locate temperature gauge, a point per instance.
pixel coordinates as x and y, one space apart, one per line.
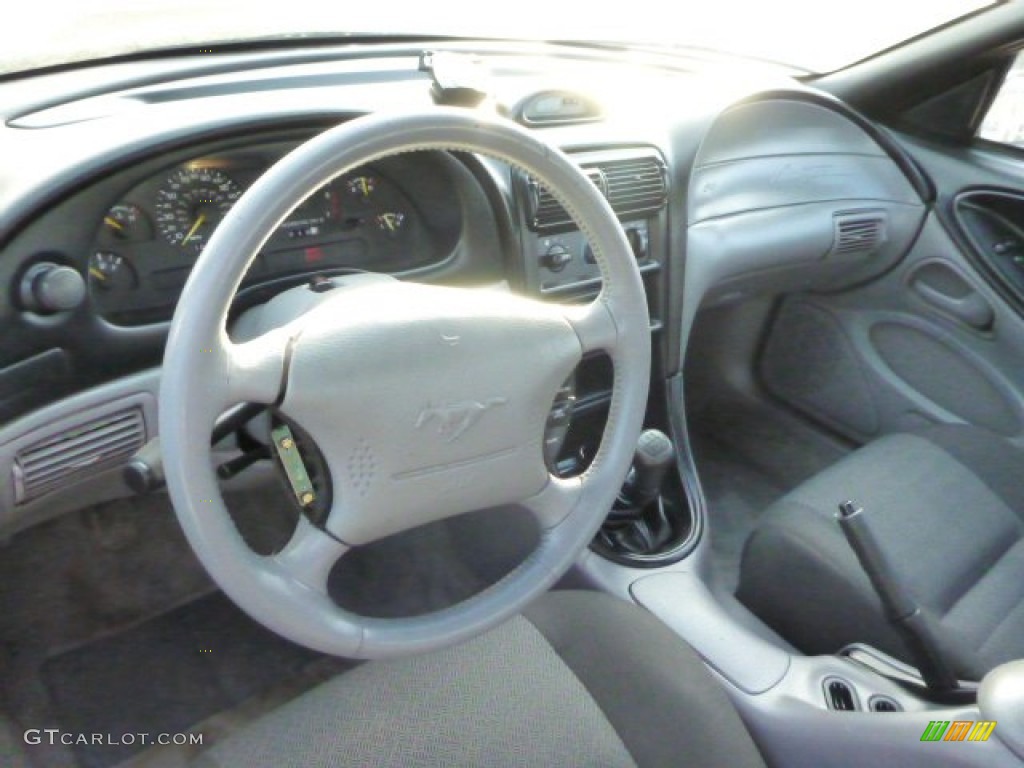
390 222
109 272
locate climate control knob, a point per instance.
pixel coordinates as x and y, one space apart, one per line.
556 258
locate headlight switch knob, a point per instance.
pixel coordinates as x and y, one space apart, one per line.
47 287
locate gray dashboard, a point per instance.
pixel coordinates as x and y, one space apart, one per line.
789 193
756 187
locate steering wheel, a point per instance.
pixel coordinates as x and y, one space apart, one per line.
424 401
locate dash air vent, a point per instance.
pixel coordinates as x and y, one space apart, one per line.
85 449
858 233
548 213
634 185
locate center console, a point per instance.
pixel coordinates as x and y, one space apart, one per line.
559 265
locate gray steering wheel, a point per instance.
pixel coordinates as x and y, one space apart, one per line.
361 373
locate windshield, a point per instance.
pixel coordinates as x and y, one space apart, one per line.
813 36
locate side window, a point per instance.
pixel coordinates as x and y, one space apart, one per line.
1005 120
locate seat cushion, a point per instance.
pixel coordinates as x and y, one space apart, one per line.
581 680
945 504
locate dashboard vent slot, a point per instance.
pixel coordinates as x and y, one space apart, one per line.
633 186
85 449
839 695
548 213
859 233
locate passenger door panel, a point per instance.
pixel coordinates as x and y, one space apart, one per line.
937 339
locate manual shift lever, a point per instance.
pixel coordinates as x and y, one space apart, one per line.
645 526
654 455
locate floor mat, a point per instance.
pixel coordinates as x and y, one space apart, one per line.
166 675
748 456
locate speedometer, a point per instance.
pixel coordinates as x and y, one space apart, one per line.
190 204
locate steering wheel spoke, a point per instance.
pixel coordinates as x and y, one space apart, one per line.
555 502
255 369
593 325
309 555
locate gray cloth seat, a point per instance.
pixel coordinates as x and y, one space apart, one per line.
581 679
947 505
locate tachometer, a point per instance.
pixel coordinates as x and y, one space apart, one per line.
190 204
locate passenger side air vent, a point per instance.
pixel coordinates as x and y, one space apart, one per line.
85 449
839 695
634 185
858 233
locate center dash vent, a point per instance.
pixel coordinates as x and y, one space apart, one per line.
858 233
634 186
839 695
85 449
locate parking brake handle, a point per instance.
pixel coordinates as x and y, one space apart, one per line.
900 607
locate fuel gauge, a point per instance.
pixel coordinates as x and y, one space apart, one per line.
127 221
109 271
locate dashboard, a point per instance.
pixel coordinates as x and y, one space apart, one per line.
112 182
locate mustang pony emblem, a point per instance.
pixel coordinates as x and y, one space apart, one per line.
453 420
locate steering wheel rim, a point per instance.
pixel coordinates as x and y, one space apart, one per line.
205 373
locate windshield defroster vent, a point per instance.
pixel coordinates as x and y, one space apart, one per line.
634 186
85 449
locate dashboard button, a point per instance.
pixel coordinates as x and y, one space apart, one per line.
556 258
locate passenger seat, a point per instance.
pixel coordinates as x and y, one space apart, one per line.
947 506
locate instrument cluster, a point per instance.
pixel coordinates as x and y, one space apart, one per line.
148 240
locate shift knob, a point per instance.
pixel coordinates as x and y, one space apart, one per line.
654 455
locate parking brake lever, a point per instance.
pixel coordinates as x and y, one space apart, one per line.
900 607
